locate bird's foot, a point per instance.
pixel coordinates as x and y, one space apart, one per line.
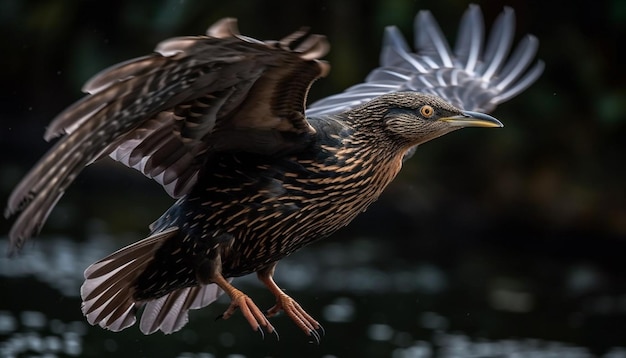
298 315
257 320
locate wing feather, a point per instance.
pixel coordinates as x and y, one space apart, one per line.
469 44
474 77
162 113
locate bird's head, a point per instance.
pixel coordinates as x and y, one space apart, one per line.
411 118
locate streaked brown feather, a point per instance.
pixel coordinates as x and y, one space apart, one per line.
232 71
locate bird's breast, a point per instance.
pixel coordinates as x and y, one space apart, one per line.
273 206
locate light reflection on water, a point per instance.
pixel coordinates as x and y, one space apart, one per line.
33 333
55 261
328 270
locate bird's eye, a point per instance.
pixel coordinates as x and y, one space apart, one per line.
427 111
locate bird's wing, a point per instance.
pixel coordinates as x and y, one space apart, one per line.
477 75
163 113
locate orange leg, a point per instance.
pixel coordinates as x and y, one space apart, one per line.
249 309
287 304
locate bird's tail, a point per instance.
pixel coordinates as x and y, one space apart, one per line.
109 291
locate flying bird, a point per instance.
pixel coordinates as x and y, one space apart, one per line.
220 121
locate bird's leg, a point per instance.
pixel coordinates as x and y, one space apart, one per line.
249 309
287 304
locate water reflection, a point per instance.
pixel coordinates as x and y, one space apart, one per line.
33 333
58 262
370 305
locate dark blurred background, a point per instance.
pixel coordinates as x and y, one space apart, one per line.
490 242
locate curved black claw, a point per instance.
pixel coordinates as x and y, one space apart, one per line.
259 329
317 333
322 330
313 333
262 331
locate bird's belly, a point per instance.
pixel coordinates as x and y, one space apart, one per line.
269 213
269 228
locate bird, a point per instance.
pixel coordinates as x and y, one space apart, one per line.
221 122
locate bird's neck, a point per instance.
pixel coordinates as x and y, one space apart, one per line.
356 155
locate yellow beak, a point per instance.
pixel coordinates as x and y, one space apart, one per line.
472 119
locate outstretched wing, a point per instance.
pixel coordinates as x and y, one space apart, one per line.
163 113
477 76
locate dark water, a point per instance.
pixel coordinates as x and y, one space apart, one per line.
371 303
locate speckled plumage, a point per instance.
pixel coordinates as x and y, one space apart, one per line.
279 204
219 121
